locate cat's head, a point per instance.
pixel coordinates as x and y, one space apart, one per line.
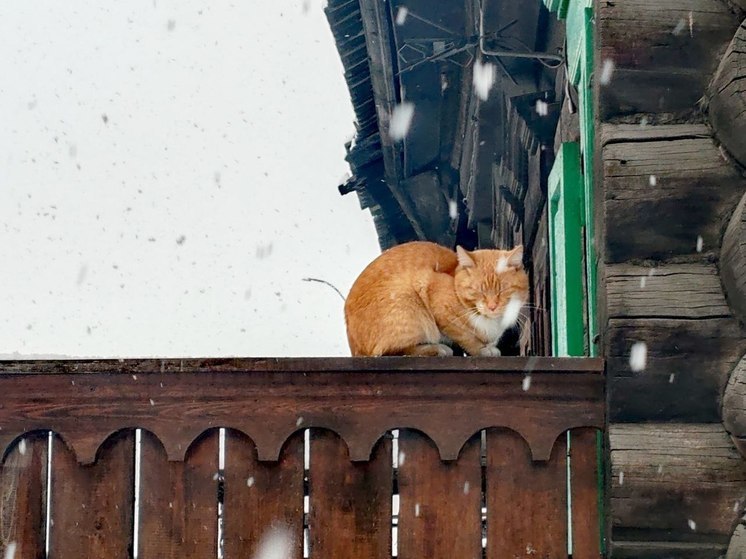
492 282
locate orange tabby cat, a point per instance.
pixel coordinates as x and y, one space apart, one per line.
415 296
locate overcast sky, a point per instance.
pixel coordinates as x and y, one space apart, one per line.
169 177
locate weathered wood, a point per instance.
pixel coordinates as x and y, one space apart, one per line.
695 190
261 496
178 500
726 97
23 492
677 490
464 395
688 362
733 259
734 406
623 133
664 52
92 506
439 514
521 495
350 502
737 545
584 484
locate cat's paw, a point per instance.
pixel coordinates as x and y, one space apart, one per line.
443 350
489 351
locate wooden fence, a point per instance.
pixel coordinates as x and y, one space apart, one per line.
481 469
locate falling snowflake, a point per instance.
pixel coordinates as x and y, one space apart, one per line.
401 119
502 266
484 79
680 25
621 478
10 551
653 180
700 243
452 209
660 469
526 384
638 356
171 25
152 403
417 509
643 122
466 488
643 282
401 15
542 108
22 447
511 312
671 378
250 482
692 524
277 543
691 23
180 240
607 70
299 422
402 456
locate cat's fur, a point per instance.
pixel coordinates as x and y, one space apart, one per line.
415 296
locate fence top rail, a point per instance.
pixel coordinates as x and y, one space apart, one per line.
307 364
448 399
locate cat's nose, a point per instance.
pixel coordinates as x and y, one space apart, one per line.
492 306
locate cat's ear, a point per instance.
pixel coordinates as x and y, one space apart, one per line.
515 258
464 258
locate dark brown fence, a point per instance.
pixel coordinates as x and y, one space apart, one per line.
481 468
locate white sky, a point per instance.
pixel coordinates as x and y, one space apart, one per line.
226 124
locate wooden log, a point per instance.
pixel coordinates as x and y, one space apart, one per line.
23 498
92 506
692 342
663 52
584 484
439 513
261 496
737 545
726 97
734 406
350 502
691 194
733 260
677 490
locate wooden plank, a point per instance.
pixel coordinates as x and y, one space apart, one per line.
178 500
734 406
695 188
92 506
463 396
23 492
623 133
523 495
674 484
664 52
584 484
733 260
439 513
261 496
350 502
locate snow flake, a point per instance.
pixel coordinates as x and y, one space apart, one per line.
692 525
152 403
700 243
22 447
653 180
402 456
452 209
250 482
401 119
542 108
417 509
526 384
277 543
466 488
638 356
401 15
10 550
483 79
621 478
299 421
680 25
607 70
671 378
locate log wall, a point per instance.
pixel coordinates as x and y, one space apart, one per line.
667 191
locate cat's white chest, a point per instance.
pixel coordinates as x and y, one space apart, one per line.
489 329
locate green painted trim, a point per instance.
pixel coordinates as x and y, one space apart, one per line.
565 188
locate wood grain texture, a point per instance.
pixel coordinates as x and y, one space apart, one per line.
733 259
23 491
357 399
261 496
522 495
665 475
695 191
92 506
179 500
726 97
350 502
734 406
662 61
584 484
439 514
737 544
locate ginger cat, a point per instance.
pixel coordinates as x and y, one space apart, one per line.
415 296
